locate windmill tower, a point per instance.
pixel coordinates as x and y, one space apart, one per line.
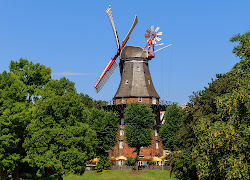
136 84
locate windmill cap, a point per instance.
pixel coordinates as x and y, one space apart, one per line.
129 52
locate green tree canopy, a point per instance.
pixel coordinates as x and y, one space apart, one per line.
215 128
242 50
61 129
139 120
170 127
12 122
34 76
105 124
18 88
59 138
222 145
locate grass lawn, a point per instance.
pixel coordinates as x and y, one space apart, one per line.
122 175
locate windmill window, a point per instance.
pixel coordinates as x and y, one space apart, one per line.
148 81
161 115
121 132
157 145
123 100
153 100
121 145
139 99
156 133
138 69
126 82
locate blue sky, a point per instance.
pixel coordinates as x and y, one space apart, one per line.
74 38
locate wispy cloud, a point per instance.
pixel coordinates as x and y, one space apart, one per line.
71 74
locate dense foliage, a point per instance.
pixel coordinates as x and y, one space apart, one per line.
19 90
58 136
139 120
105 125
47 128
12 122
214 133
34 76
168 130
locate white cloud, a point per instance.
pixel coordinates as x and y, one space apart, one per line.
71 74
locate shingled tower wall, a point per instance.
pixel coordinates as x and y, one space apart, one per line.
136 86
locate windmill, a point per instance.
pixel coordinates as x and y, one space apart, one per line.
135 75
136 84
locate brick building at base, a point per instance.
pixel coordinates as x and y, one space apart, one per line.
122 149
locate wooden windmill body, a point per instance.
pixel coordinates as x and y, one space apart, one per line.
136 84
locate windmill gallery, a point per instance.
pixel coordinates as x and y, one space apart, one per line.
136 86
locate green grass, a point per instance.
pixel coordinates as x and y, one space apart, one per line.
122 175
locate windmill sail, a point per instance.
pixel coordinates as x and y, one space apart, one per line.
162 48
106 74
130 31
109 13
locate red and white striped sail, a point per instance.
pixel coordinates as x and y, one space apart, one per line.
106 74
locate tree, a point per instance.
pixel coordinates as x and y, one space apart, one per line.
59 140
105 124
34 76
222 148
17 89
12 122
181 161
215 129
242 50
170 127
139 120
130 161
86 100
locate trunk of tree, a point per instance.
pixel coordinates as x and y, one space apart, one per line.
17 174
137 158
136 164
3 174
60 177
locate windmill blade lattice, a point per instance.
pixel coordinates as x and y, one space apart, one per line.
152 36
106 74
109 13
